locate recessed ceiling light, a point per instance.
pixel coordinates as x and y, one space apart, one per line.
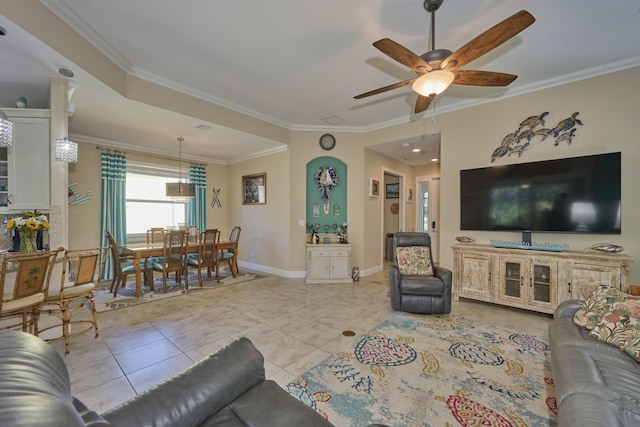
203 127
434 160
65 72
416 150
407 144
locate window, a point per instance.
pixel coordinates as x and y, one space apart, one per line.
147 206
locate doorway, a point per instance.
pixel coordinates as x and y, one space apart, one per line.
392 210
428 214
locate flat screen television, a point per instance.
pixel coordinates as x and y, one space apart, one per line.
572 195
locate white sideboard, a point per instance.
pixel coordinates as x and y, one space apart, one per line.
531 279
328 263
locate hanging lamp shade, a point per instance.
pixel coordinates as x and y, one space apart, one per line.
180 191
6 131
66 150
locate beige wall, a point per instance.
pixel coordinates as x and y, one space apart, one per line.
273 241
608 108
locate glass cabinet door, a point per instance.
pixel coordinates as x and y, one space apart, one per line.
541 283
512 279
543 279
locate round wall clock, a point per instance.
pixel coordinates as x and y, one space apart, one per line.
327 141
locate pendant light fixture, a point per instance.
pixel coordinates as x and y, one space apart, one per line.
6 131
66 150
180 191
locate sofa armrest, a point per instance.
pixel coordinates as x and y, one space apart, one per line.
34 384
192 396
394 287
567 308
443 274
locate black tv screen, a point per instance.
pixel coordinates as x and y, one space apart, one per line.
573 195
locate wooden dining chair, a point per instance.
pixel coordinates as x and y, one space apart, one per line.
230 254
174 258
81 272
155 235
24 299
122 259
207 255
194 233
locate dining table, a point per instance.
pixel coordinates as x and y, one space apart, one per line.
140 251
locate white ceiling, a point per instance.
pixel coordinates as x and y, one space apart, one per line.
294 63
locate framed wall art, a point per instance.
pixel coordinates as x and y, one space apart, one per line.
374 187
393 191
254 189
409 194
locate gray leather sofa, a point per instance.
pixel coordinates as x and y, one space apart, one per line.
596 384
228 388
416 293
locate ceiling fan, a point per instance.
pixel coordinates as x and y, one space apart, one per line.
439 68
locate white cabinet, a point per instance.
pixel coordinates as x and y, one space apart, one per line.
533 280
329 263
25 166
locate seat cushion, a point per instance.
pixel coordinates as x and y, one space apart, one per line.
610 375
417 284
266 404
22 303
72 291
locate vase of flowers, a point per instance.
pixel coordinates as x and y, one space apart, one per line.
28 224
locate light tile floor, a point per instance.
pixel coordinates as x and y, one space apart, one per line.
294 325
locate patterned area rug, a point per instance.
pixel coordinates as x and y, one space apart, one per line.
126 296
417 370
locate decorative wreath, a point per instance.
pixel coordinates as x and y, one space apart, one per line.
326 177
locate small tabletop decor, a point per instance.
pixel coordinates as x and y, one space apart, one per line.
607 247
28 224
465 239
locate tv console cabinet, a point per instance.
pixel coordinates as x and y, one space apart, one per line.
531 279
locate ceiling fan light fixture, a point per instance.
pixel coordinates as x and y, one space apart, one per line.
433 83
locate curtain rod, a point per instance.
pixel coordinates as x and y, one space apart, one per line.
98 147
109 150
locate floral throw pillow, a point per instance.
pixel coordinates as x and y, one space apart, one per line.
414 260
620 326
595 307
632 345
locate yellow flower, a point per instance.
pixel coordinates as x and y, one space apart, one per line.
32 224
45 224
10 224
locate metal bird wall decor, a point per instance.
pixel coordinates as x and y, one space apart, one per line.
532 127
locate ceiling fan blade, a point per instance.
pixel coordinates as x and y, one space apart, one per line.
422 103
489 40
402 55
482 78
384 89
